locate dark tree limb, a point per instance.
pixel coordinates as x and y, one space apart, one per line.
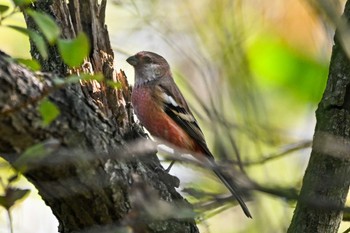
92 175
326 180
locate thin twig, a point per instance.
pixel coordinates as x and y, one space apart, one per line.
10 220
273 156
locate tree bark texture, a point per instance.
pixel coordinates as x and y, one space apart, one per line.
93 174
326 180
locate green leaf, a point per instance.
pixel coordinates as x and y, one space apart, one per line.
23 2
48 111
39 43
77 78
22 30
37 39
288 70
30 63
34 154
88 77
73 51
11 196
3 8
46 24
113 84
72 79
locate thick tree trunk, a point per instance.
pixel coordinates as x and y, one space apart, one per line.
326 180
90 171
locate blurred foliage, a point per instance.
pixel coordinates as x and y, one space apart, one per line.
253 72
12 192
73 51
46 24
48 111
13 42
278 66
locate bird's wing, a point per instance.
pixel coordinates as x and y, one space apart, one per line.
177 109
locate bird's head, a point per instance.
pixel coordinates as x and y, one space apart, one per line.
148 66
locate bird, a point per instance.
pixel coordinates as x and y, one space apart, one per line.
162 109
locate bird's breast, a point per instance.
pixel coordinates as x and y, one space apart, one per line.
150 112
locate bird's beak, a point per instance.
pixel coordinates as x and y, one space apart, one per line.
132 60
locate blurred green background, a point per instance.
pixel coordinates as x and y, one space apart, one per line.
253 72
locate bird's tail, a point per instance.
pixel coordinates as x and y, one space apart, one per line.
229 183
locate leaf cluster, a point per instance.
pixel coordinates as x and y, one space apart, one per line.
73 51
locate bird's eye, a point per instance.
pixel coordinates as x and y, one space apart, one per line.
147 59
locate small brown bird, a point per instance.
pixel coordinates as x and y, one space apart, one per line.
162 109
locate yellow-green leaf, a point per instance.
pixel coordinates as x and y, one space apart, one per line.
46 24
113 84
73 51
30 63
88 77
3 8
48 111
37 39
39 43
23 2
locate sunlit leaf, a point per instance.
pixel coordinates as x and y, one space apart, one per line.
73 51
11 196
277 64
23 2
48 111
30 63
37 39
3 8
46 24
113 84
39 43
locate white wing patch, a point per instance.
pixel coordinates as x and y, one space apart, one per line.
169 99
175 108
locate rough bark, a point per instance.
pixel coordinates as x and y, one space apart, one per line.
326 180
91 172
